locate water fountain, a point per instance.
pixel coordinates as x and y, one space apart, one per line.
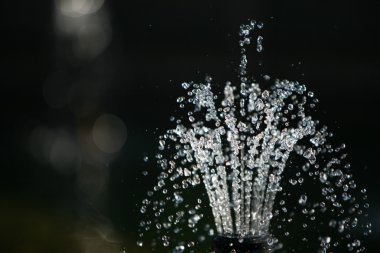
236 145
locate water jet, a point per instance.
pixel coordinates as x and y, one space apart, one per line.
236 145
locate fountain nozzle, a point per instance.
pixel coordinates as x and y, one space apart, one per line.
227 244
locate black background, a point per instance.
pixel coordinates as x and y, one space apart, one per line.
332 46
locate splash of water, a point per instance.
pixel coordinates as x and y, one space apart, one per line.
237 145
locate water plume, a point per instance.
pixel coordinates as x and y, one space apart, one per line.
237 144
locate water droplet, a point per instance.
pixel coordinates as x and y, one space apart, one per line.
266 77
185 85
259 47
302 200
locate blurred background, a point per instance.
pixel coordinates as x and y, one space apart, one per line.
88 85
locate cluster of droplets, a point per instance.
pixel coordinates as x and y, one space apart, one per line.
236 146
333 206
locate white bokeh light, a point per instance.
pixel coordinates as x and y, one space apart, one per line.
76 8
85 25
109 133
58 148
64 154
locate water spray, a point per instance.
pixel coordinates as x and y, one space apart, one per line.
236 144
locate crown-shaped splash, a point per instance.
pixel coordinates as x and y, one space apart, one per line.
236 144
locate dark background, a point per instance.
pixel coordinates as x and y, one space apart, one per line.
62 69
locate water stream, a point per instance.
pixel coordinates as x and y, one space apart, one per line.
234 145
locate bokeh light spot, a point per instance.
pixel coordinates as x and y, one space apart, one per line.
76 8
109 133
